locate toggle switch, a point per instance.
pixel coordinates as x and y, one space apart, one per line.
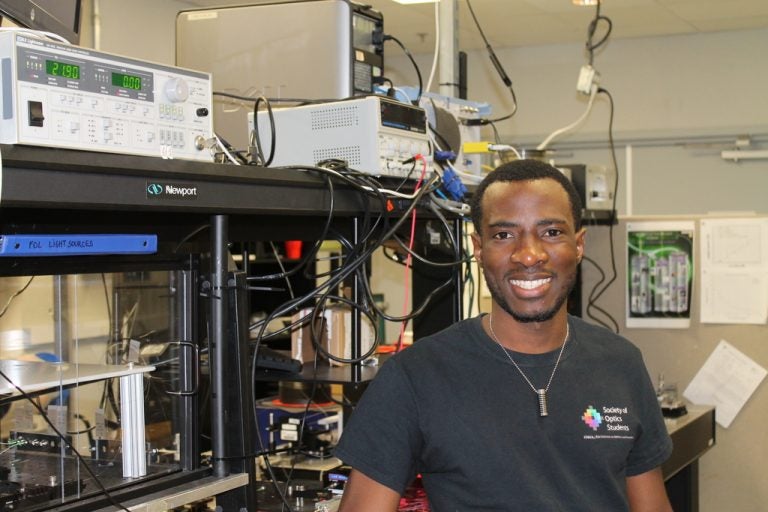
36 117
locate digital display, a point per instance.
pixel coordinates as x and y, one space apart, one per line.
62 69
404 117
126 81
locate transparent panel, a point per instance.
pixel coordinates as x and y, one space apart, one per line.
87 365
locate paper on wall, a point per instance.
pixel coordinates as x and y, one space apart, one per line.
726 380
734 271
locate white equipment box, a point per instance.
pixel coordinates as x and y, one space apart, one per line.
373 134
55 94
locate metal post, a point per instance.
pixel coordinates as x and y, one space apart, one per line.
184 303
449 56
355 328
132 419
216 338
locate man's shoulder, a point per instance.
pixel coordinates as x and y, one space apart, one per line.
449 340
599 337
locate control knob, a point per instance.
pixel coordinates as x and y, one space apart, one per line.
176 90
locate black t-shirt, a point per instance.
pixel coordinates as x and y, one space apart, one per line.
454 409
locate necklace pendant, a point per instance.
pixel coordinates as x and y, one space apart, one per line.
542 395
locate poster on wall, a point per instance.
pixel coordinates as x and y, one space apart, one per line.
659 274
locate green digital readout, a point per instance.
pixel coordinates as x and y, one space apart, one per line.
126 81
62 69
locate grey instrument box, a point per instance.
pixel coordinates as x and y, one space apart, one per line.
317 49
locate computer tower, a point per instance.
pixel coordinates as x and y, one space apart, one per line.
303 50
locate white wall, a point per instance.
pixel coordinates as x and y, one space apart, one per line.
143 29
679 101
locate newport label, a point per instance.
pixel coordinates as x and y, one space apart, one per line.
167 190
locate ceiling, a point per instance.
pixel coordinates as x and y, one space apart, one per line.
541 22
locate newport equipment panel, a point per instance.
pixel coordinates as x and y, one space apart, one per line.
55 94
373 134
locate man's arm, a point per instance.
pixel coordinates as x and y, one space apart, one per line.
363 493
646 492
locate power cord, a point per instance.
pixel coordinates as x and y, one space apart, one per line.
257 154
407 52
590 45
598 291
499 69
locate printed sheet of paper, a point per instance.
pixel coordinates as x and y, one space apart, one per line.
734 271
726 380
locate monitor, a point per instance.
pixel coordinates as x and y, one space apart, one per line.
61 17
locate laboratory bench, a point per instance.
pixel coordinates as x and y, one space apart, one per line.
693 434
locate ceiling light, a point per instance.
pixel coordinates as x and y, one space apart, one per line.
415 1
585 3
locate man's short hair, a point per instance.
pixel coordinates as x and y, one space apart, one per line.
524 170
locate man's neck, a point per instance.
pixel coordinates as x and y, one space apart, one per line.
527 337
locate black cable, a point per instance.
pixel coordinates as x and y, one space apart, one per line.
447 229
446 146
499 69
16 294
66 441
416 311
319 314
496 136
250 99
596 293
294 303
415 66
356 257
592 46
256 137
469 281
237 153
591 305
407 177
392 256
189 236
481 276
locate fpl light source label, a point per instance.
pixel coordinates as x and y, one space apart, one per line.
24 245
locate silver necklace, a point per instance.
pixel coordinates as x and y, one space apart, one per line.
540 393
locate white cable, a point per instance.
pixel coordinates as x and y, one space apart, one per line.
437 48
556 133
225 150
405 94
449 205
504 147
472 177
386 191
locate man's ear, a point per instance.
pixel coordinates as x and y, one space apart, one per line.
477 246
580 240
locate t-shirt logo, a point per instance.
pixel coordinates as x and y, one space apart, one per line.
592 418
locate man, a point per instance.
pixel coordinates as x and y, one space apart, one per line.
522 409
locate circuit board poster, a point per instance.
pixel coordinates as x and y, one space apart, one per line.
659 273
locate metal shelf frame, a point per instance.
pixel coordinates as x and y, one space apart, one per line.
59 191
